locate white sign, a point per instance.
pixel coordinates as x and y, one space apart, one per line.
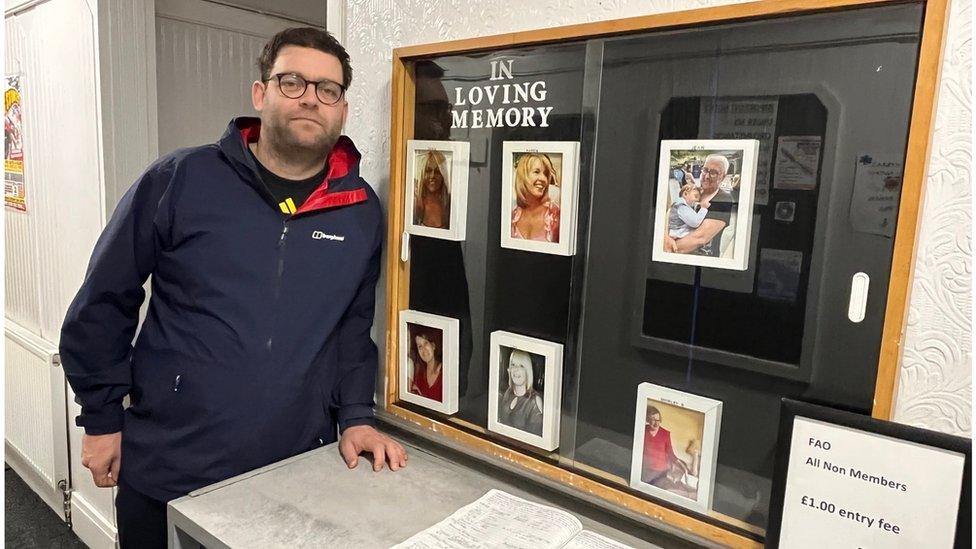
504 103
850 488
743 118
797 160
877 188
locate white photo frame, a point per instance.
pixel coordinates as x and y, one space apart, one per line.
691 418
412 324
562 192
732 202
450 162
513 416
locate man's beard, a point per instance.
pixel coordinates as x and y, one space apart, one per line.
284 144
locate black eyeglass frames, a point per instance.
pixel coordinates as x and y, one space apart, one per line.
293 86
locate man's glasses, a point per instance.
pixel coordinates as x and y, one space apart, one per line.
293 86
713 173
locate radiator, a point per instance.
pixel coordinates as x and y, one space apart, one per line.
35 413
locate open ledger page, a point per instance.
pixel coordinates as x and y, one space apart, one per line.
499 519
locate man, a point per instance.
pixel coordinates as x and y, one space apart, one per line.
264 251
707 238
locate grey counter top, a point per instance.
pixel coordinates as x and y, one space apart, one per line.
314 500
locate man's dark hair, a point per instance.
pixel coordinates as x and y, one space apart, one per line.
306 37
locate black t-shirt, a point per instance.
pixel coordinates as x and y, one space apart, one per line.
288 193
721 208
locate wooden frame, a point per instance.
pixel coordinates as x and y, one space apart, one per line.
903 259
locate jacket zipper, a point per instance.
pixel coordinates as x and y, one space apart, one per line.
280 271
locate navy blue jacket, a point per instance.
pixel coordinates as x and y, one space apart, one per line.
257 338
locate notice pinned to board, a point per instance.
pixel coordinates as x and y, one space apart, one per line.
743 118
14 193
779 274
797 162
877 188
847 480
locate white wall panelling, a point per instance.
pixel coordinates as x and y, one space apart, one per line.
47 249
20 268
299 12
127 88
45 267
935 382
206 60
83 129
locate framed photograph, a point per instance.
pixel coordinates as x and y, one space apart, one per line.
705 193
539 196
437 188
525 389
429 361
675 446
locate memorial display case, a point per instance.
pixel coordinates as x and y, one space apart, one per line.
670 223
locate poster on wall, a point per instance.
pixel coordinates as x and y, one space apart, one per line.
437 188
743 118
675 446
705 220
14 192
877 188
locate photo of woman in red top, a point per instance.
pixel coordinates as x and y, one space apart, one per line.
660 466
427 359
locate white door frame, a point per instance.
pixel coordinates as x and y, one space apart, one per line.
125 59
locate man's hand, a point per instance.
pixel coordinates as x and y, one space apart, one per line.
363 438
704 234
102 455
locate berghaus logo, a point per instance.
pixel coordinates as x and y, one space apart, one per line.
319 235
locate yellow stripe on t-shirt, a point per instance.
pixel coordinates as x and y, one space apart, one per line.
284 207
291 205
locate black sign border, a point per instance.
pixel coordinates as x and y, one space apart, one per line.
791 409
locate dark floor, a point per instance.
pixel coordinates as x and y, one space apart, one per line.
29 522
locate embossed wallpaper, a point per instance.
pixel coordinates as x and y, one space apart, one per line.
935 386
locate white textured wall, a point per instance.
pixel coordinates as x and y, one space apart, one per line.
936 383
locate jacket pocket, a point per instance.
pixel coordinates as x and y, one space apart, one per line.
158 383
